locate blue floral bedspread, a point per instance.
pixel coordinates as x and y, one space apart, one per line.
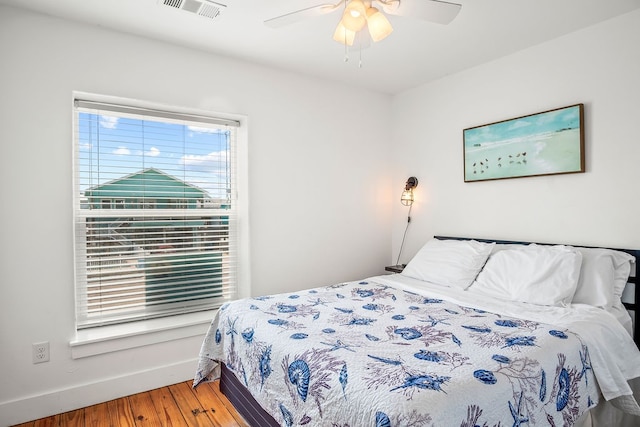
366 354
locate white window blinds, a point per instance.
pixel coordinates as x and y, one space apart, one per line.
155 213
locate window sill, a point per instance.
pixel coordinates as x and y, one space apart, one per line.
107 339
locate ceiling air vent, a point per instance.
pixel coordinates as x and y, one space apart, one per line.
205 8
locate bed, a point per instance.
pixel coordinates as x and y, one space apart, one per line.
473 332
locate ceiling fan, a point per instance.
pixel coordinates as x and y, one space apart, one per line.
360 13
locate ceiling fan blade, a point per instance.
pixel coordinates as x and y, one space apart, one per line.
299 15
440 12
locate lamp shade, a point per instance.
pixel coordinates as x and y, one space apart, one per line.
407 195
379 26
354 16
344 36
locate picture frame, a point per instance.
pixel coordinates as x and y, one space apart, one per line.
546 143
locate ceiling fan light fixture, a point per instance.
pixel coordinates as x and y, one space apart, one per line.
344 36
379 26
356 8
354 16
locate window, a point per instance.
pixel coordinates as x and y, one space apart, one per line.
154 210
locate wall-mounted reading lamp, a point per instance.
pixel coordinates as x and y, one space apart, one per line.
407 200
407 195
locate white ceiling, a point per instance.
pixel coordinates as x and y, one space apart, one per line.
415 53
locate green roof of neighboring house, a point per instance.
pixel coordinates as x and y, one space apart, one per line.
149 183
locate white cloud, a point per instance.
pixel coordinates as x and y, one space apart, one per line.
108 122
203 129
153 152
214 161
121 151
519 124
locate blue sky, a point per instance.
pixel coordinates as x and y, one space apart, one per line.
525 126
111 147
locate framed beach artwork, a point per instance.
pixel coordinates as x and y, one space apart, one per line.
546 143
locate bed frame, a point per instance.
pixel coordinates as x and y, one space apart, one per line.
256 416
242 400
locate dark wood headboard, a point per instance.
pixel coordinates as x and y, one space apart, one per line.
632 283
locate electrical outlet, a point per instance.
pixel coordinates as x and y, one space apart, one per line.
40 352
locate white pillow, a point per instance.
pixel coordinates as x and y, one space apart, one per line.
502 246
603 276
453 263
535 274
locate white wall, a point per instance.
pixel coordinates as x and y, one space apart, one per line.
598 66
319 193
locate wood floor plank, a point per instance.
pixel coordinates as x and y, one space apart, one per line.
72 419
144 413
98 416
228 406
211 401
192 410
52 421
120 413
215 385
177 405
166 407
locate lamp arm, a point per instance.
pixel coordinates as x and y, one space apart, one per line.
405 234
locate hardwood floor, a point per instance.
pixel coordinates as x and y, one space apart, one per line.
177 405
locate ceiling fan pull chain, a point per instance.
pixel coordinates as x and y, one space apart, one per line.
346 47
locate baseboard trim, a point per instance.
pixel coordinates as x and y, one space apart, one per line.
68 399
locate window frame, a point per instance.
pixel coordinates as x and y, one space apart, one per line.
181 322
